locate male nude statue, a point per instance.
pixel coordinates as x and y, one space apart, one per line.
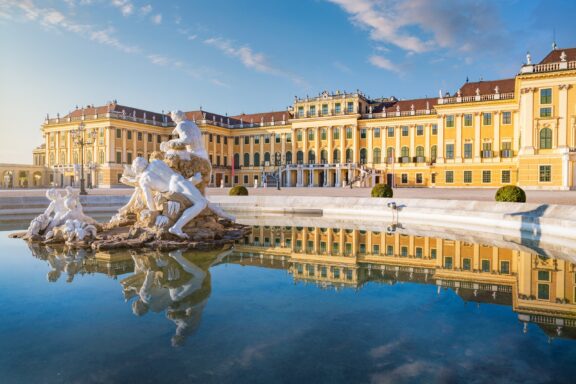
189 135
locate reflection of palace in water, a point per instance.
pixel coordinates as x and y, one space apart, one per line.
541 290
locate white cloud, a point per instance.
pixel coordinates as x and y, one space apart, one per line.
146 9
422 25
157 19
105 36
384 63
158 60
250 59
342 67
125 6
53 18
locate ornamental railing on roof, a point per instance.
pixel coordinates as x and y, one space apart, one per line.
548 67
109 115
471 99
224 124
328 96
418 112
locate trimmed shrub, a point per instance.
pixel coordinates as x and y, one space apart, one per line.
238 190
511 194
382 190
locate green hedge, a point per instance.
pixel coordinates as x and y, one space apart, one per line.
511 194
382 190
238 190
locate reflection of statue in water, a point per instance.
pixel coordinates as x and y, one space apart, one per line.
179 284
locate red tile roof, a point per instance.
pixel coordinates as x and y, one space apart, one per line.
406 105
554 56
487 87
114 107
265 116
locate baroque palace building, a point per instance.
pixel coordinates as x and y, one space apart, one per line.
520 130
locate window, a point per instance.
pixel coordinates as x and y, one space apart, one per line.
404 130
376 132
404 151
545 173
101 157
506 118
267 158
466 264
277 138
545 138
310 134
404 251
312 110
546 112
336 134
375 249
418 178
450 121
419 130
448 262
449 151
324 109
390 131
299 135
468 120
257 139
236 141
350 107
119 157
487 118
418 252
139 136
246 159
257 159
129 157
505 177
506 149
288 157
349 155
149 137
449 177
433 152
245 179
505 267
300 111
210 137
433 253
485 265
544 275
246 140
546 96
467 150
420 152
348 248
467 176
158 139
362 249
118 133
404 178
543 291
389 250
266 139
362 133
337 108
323 134
225 140
288 137
336 156
377 156
486 176
434 129
348 132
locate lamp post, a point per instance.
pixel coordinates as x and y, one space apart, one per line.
81 138
278 158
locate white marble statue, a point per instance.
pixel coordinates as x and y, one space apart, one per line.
189 135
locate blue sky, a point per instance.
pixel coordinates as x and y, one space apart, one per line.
252 56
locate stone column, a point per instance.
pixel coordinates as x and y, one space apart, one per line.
262 149
515 141
342 145
124 146
305 145
457 255
439 253
317 144
458 149
563 115
496 146
356 145
440 144
524 274
330 145
369 149
397 149
476 258
527 120
427 134
477 139
111 147
495 266
412 148
251 150
329 241
294 146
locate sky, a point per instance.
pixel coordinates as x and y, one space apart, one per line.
249 56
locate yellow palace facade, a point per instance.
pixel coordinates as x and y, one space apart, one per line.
520 130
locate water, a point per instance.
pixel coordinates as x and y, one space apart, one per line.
278 308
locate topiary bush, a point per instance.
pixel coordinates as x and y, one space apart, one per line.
238 190
511 194
382 190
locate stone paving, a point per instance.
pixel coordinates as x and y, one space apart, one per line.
537 197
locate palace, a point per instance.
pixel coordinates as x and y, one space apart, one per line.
520 130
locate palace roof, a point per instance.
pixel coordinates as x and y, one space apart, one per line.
487 87
121 109
554 55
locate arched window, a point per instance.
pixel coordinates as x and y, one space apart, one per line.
433 152
545 138
324 156
267 158
377 155
236 161
311 157
246 159
89 156
300 157
349 155
404 152
420 151
288 157
390 154
257 159
336 156
363 159
101 157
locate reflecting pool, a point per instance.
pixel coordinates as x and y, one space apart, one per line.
291 303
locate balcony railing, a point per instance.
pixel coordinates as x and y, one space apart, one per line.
506 153
109 115
380 115
487 154
470 99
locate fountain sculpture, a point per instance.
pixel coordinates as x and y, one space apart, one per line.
167 210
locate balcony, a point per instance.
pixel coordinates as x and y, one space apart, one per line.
419 159
506 153
487 154
404 159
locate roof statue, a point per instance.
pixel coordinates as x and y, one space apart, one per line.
528 58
